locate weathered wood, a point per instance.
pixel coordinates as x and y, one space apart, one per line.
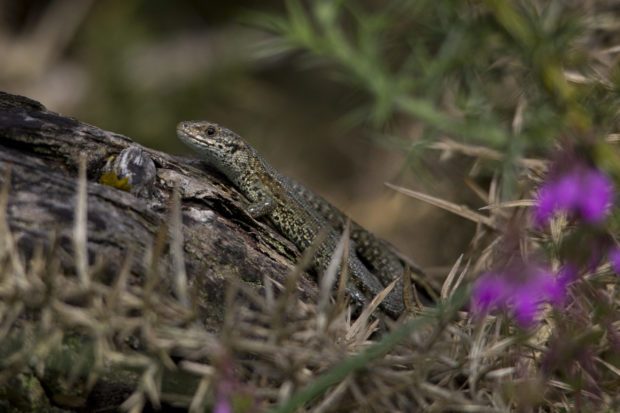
42 150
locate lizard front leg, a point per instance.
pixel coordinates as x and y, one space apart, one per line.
261 208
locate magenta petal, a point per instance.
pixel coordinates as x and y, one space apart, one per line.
489 292
525 308
528 297
522 291
584 192
554 196
567 191
614 259
224 392
597 196
566 275
222 406
545 206
554 292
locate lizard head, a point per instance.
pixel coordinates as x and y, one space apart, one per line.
218 146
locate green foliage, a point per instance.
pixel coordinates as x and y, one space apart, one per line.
505 81
490 72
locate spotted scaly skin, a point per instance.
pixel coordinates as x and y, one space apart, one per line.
373 251
295 211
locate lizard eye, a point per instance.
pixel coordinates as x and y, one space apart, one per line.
210 131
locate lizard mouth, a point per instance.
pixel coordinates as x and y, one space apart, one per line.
196 133
182 129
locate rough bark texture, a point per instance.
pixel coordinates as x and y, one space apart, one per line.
40 151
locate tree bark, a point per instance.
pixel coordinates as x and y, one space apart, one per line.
128 221
42 150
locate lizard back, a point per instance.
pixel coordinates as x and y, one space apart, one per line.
292 208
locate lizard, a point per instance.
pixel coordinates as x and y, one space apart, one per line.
297 212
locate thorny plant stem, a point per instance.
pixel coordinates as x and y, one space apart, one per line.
443 312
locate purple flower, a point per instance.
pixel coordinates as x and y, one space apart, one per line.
583 192
222 403
520 291
566 275
222 406
614 259
597 196
489 291
525 308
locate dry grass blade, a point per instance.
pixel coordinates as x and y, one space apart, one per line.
611 367
151 384
7 244
360 330
460 210
4 200
80 240
502 372
329 277
343 369
332 398
448 283
521 203
199 400
485 153
478 190
176 250
135 403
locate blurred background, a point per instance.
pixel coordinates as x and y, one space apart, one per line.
341 95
